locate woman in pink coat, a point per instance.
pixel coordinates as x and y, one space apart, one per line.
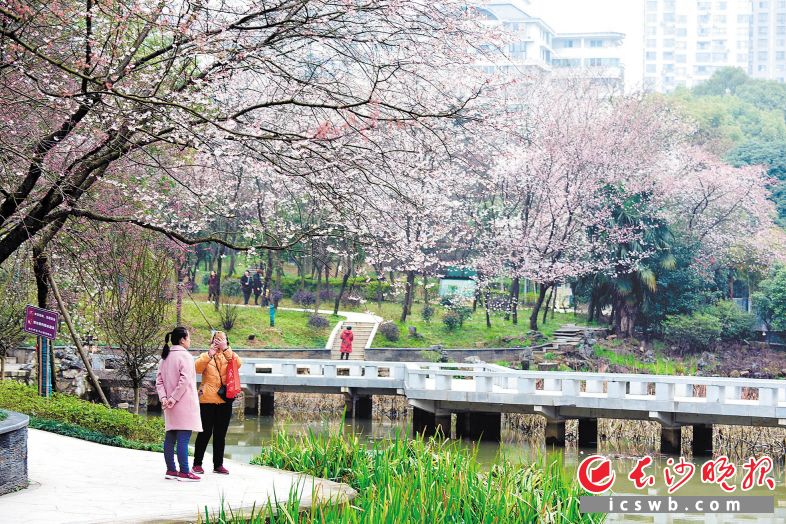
346 343
176 387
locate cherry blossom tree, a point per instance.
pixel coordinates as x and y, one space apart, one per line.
92 91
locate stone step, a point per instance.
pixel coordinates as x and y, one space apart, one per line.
10 361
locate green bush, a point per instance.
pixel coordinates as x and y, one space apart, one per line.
692 333
452 320
735 323
427 313
68 409
3 415
390 330
72 430
231 288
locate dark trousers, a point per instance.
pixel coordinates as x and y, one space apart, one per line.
246 296
344 356
215 422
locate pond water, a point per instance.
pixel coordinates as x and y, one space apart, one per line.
245 438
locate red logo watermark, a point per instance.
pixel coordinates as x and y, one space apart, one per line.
596 473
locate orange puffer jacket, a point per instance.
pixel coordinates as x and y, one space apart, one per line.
210 368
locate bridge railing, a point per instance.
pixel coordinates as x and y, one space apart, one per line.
490 378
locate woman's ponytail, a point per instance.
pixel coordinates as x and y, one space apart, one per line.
165 352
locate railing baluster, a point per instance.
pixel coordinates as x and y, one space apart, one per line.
664 391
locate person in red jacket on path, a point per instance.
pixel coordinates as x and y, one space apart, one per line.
346 343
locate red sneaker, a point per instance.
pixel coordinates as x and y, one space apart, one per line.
171 475
198 469
222 470
187 477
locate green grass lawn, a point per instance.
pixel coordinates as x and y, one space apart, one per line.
474 333
662 366
291 330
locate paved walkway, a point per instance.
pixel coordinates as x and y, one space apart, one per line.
74 481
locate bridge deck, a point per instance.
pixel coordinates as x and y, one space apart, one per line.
670 400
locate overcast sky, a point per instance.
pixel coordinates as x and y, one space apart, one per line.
623 16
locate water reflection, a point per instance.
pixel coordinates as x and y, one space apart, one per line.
246 437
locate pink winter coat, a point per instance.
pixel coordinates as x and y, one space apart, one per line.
176 378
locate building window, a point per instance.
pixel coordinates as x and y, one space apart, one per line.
652 5
780 55
762 68
762 56
764 18
682 32
651 68
596 43
763 30
718 57
652 42
668 55
681 59
780 30
702 57
651 55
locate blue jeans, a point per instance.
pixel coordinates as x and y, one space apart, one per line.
181 437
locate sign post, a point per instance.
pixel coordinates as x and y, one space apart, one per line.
43 324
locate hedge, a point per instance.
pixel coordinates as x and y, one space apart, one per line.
68 409
72 430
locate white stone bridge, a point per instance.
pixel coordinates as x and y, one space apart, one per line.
479 393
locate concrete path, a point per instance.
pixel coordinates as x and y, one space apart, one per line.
351 316
75 481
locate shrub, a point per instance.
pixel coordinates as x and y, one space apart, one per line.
205 279
318 322
227 314
390 330
275 296
231 288
373 287
351 300
692 333
452 320
304 297
327 294
72 410
735 323
427 313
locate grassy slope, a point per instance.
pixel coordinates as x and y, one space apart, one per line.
291 328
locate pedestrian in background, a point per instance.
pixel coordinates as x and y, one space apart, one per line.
212 287
257 285
245 286
346 343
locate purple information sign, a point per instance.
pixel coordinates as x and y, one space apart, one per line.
42 322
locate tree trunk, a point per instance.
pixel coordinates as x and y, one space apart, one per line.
136 399
179 296
425 290
486 301
731 287
590 306
219 262
408 295
2 368
268 277
232 260
533 318
554 303
344 281
514 303
319 289
548 304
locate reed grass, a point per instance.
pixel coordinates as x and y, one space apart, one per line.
414 480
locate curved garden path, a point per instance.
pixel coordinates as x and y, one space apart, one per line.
75 481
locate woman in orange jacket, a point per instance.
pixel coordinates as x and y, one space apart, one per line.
214 410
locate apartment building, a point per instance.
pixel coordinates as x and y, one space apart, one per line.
768 40
595 55
534 47
686 41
